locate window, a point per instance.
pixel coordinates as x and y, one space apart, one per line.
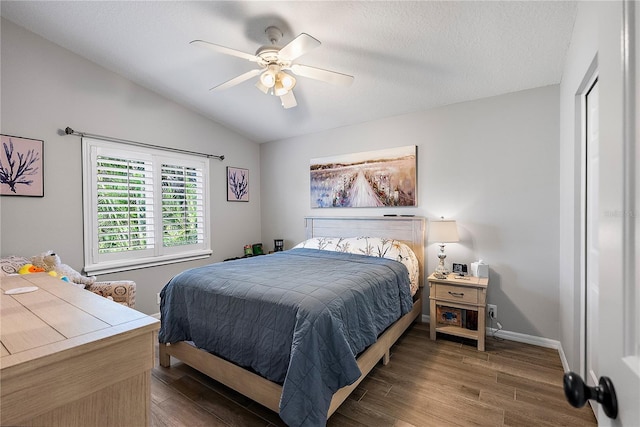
142 207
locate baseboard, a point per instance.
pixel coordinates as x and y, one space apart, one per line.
563 358
523 338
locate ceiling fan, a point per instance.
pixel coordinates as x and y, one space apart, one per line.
273 61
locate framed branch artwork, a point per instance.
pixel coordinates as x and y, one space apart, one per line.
21 166
237 184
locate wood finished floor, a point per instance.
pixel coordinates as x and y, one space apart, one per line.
426 383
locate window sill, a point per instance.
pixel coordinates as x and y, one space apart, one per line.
134 264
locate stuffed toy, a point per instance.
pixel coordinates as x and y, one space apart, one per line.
49 261
63 278
30 268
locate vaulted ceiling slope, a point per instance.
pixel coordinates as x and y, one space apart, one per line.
406 56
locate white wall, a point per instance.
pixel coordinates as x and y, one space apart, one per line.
581 55
491 164
46 88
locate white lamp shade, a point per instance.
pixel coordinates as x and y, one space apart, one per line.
288 82
444 231
284 83
279 90
268 77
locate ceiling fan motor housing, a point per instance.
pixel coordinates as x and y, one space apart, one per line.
268 54
273 34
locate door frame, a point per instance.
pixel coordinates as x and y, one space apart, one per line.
588 80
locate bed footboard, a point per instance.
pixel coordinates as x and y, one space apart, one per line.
253 386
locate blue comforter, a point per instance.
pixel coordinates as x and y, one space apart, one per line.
298 318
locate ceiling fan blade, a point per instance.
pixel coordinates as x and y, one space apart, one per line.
298 47
288 100
225 50
332 77
237 80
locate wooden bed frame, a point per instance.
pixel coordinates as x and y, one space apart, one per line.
409 230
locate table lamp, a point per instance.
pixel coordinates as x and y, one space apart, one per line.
443 231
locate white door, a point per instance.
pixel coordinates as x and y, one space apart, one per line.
619 228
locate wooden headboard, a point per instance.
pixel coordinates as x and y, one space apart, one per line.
409 230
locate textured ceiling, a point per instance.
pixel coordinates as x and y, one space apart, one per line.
405 56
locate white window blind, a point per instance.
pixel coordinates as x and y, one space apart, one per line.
125 204
182 205
142 207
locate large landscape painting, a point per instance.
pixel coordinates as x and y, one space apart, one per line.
367 179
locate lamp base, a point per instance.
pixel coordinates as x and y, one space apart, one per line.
439 275
441 271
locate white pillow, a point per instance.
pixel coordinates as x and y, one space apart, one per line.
371 246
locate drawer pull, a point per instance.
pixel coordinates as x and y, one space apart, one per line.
456 294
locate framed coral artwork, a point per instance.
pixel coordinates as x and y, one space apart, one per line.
237 184
21 166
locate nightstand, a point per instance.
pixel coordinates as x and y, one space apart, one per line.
455 303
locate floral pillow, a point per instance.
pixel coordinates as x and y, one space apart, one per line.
371 246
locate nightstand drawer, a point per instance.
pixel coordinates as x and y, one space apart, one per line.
457 293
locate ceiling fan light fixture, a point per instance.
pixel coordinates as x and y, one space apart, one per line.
284 84
288 81
269 77
279 90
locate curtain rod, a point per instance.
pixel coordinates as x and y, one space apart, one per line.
70 131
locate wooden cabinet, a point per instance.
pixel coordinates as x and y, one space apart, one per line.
71 357
455 299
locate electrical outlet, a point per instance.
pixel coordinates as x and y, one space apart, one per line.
158 298
492 311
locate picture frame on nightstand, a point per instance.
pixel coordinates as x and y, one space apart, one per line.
460 269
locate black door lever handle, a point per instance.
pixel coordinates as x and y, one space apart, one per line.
577 393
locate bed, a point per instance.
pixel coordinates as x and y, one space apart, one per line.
311 368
